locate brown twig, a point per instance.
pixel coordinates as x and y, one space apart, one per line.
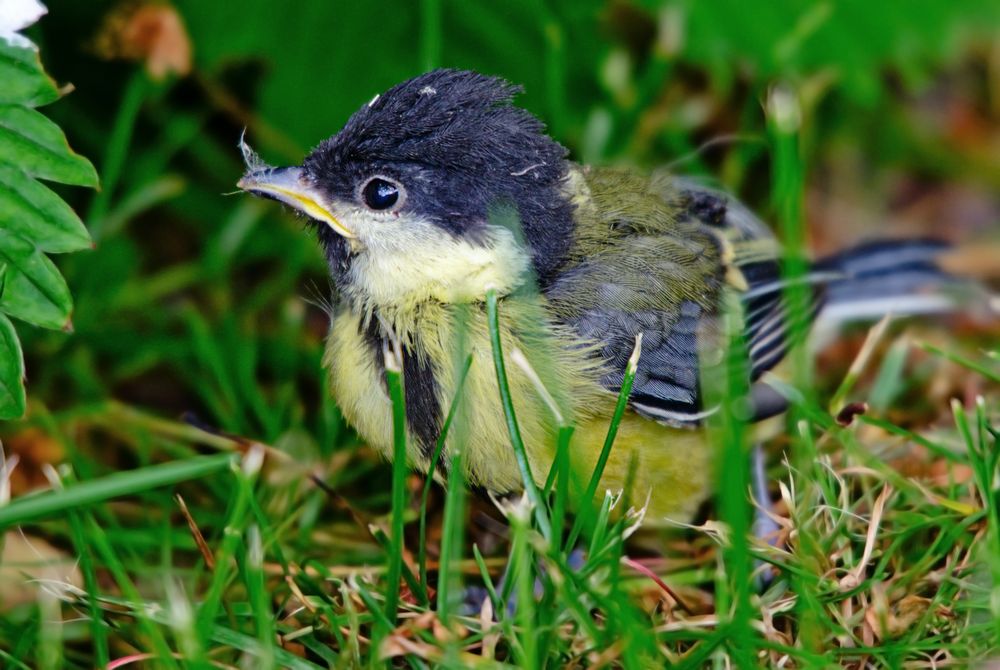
199 539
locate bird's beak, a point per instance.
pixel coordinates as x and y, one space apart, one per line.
289 186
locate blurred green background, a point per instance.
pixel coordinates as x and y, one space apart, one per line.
201 302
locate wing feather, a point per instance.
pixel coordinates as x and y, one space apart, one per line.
663 274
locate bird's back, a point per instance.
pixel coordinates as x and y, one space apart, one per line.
653 255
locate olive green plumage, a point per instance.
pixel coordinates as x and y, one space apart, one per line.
630 241
441 190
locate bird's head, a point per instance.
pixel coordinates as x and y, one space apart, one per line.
411 196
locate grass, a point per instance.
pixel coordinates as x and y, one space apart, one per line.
262 532
873 567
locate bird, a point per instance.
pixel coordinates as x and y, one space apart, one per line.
441 192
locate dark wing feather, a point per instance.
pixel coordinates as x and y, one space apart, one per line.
676 308
666 386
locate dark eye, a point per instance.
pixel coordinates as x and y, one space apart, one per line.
380 193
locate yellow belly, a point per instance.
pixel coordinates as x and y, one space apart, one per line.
671 466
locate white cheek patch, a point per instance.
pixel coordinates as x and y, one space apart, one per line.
408 260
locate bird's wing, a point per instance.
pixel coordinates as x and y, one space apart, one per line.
756 258
655 257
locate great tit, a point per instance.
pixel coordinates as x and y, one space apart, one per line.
440 190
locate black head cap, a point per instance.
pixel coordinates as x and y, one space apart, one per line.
454 139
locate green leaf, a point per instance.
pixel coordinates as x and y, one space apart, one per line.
34 291
24 81
12 400
35 144
33 219
38 215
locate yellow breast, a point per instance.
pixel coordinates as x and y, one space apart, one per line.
669 465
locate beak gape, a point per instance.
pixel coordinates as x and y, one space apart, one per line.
289 186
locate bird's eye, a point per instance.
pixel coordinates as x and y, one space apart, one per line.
381 193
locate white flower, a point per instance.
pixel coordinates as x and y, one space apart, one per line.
17 15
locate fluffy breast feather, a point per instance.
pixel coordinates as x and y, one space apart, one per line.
560 359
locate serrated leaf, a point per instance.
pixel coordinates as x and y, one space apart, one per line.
34 291
32 211
37 146
12 401
24 81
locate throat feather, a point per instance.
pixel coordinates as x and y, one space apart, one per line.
420 386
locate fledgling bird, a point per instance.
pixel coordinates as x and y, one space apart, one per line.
441 189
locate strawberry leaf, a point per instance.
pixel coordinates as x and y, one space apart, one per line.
32 211
38 147
24 81
33 220
34 291
12 400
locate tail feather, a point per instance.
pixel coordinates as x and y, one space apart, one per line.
863 283
899 277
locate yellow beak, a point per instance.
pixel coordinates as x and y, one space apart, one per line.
288 186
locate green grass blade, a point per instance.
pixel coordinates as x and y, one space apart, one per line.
105 551
405 572
983 456
508 409
236 521
431 468
561 471
394 382
248 645
893 429
117 150
784 120
29 508
98 630
524 575
431 20
484 574
609 440
981 368
727 428
260 598
450 579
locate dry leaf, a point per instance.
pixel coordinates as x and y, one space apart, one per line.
28 564
34 448
893 621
